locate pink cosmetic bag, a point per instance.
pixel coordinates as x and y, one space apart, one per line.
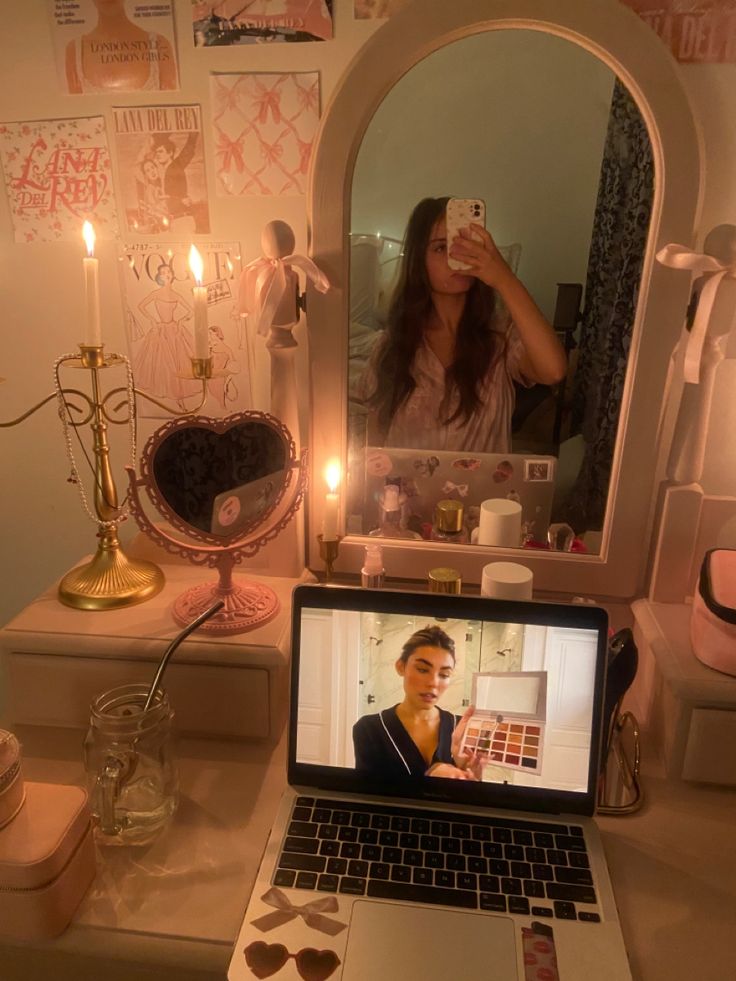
47 861
713 621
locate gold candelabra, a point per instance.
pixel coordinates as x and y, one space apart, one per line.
111 579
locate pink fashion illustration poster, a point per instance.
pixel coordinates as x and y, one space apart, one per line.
57 174
264 127
109 46
158 306
693 30
161 165
225 22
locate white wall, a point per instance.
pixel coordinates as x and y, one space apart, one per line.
42 528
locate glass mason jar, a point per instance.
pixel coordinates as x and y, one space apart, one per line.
130 765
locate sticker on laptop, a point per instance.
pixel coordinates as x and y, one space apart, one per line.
378 464
313 913
426 466
540 956
312 965
538 470
466 463
504 471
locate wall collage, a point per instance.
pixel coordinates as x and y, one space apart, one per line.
59 173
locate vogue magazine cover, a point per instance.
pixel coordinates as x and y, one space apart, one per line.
156 285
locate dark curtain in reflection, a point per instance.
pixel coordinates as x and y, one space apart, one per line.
620 229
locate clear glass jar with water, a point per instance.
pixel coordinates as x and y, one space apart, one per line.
130 764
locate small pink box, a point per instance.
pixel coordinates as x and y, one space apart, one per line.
47 862
713 620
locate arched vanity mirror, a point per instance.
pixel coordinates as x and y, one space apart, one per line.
225 488
556 89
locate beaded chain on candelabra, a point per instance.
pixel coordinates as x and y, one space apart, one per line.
67 424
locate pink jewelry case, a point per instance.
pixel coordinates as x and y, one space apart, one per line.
713 620
47 862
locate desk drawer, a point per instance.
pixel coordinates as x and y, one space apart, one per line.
710 750
208 700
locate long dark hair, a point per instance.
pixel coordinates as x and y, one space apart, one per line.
477 346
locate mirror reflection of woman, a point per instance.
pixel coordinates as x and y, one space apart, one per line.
443 373
163 362
119 56
416 737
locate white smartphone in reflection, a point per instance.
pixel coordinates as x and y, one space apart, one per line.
461 212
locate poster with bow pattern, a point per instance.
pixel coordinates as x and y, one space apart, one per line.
264 125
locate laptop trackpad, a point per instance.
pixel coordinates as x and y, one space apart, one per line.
387 940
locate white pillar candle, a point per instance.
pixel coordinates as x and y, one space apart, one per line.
507 580
92 325
199 293
500 523
332 503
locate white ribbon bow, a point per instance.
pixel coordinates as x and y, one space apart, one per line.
311 913
449 487
680 257
263 284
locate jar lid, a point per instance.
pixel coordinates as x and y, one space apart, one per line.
448 516
444 580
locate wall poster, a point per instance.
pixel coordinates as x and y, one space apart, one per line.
693 30
160 158
111 46
372 9
57 174
156 286
225 22
263 129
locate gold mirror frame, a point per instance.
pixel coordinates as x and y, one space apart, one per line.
628 46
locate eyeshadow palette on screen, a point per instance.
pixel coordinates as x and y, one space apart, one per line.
506 742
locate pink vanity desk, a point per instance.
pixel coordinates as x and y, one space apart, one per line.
174 911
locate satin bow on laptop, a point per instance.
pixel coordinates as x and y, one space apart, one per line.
312 913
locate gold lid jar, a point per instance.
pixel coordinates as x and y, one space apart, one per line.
444 580
448 516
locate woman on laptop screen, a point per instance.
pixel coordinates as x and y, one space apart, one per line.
442 373
416 737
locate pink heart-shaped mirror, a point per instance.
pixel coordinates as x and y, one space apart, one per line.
218 479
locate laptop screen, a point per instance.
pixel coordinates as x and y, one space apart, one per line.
463 699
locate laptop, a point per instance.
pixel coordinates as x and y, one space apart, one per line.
377 867
428 476
237 511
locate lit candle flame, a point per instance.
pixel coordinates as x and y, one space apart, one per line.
88 234
196 264
332 475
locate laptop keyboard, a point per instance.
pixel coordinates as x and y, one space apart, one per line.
505 866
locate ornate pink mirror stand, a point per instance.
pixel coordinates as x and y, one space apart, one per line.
232 485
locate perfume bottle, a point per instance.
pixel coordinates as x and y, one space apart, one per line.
444 580
448 523
373 573
392 515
